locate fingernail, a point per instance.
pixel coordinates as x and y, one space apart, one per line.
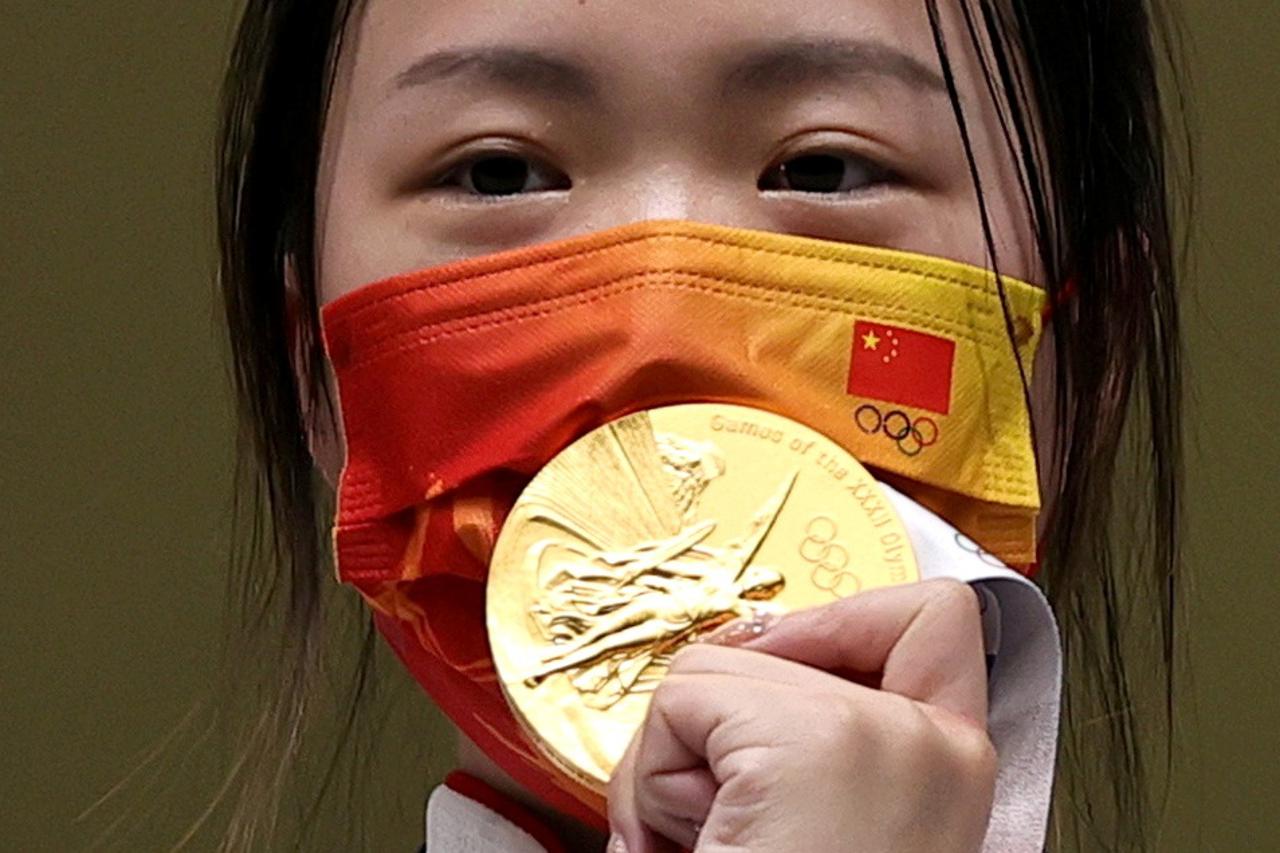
741 631
616 845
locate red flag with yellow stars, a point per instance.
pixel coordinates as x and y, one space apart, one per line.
901 366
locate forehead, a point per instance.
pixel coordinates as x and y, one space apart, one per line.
655 43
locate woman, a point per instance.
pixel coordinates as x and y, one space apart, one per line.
362 140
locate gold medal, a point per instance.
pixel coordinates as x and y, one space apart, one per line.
653 530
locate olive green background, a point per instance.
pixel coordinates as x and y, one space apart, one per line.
115 474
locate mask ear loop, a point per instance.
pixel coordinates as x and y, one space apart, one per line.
1064 297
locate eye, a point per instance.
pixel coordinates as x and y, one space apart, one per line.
824 173
503 175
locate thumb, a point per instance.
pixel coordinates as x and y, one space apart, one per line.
925 639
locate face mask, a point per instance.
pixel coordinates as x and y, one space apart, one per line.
458 383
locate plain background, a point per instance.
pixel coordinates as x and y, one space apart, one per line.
115 472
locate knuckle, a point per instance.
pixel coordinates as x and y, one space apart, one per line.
753 773
917 725
692 657
666 703
953 595
665 696
840 729
975 753
842 716
913 725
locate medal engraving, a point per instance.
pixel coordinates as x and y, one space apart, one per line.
653 530
611 615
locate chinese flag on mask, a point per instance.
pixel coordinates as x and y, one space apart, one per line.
901 366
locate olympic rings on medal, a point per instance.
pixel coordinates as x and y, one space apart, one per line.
910 436
819 546
828 557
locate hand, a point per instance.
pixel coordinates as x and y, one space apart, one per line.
760 747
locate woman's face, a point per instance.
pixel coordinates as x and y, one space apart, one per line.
464 127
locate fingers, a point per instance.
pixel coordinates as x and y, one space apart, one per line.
673 787
676 804
926 639
719 706
653 807
696 721
749 664
625 820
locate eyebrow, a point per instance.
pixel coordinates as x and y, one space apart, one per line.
780 65
770 67
520 68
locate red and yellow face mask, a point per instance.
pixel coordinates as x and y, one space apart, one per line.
459 382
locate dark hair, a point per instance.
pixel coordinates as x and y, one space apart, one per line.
1077 86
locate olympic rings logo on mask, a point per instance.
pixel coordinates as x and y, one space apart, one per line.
964 543
828 557
910 436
